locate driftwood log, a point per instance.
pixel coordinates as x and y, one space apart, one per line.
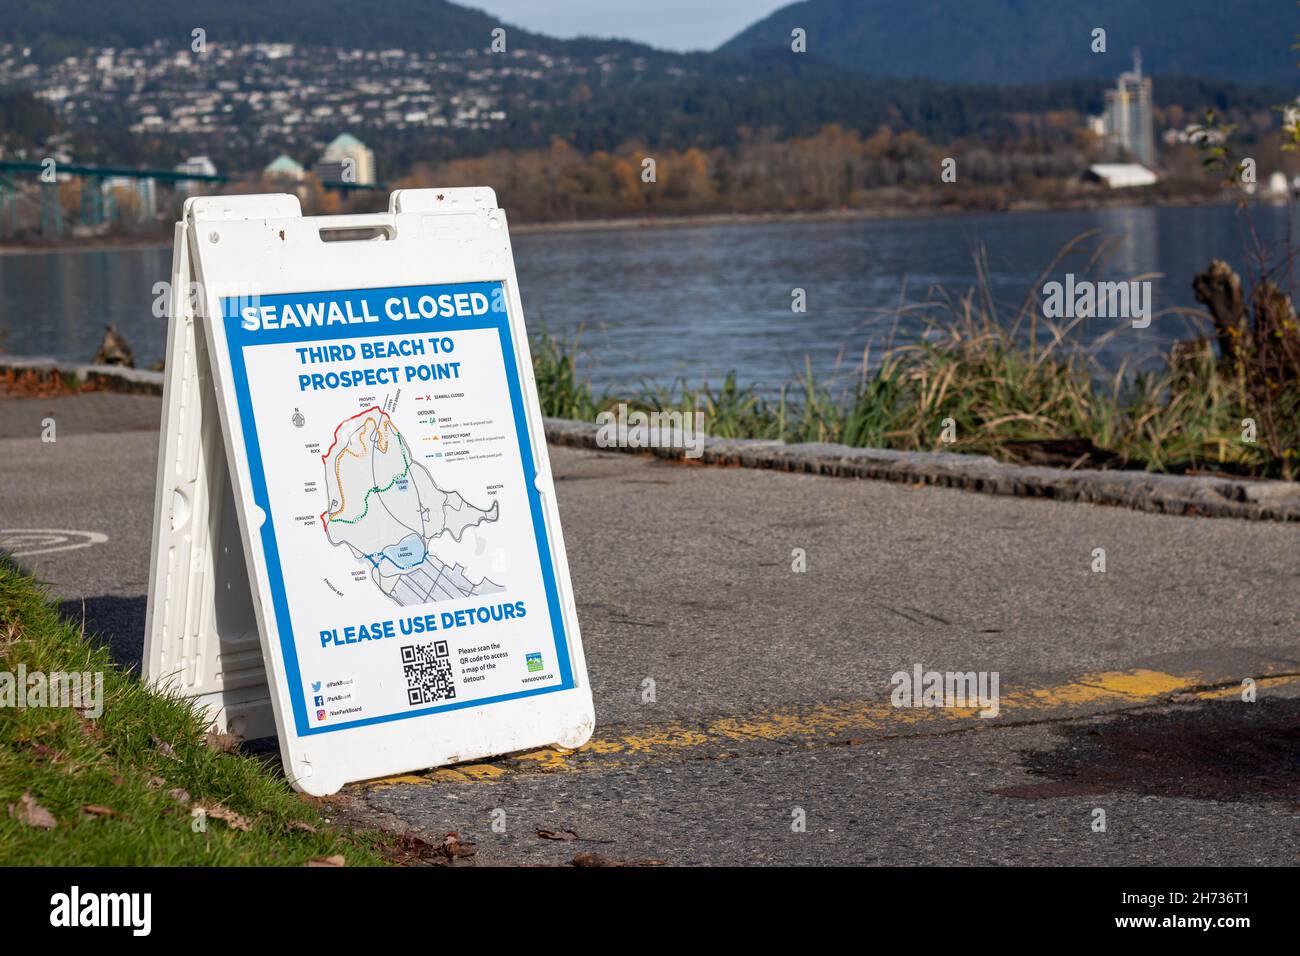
1218 288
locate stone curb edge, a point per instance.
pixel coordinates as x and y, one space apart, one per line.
112 378
1210 497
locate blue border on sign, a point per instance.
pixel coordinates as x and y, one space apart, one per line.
238 338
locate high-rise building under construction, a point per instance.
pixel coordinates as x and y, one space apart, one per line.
1127 121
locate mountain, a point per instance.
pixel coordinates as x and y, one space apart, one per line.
594 95
1034 41
54 28
983 42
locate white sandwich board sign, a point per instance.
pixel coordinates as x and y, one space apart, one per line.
392 581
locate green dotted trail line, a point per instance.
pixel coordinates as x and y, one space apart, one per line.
401 446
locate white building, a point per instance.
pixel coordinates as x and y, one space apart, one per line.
1278 186
1122 175
194 166
347 159
197 166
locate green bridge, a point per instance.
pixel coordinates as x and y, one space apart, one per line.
97 203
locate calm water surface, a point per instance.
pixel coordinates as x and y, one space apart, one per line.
655 305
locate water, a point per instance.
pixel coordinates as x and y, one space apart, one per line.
655 305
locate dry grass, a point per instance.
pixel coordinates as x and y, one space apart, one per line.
1017 387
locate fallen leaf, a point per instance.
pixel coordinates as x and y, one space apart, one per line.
179 794
32 813
407 848
302 826
49 753
229 817
164 748
223 743
335 860
565 835
95 810
453 848
157 783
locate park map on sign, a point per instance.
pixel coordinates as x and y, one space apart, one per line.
388 511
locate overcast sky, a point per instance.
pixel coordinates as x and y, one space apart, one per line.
671 24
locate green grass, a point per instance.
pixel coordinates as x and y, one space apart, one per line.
560 390
121 761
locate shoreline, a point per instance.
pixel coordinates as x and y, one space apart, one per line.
851 215
699 220
1204 495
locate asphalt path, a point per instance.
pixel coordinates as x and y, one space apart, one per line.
770 736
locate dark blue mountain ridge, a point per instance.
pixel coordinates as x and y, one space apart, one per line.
1007 42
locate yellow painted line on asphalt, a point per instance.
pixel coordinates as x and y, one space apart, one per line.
468 773
1236 690
410 778
843 722
1105 688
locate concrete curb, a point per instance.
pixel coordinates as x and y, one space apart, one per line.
1141 491
113 378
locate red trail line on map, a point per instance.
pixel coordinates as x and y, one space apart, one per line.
326 457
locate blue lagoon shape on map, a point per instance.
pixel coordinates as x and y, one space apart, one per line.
387 510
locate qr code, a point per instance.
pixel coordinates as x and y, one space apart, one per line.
428 673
